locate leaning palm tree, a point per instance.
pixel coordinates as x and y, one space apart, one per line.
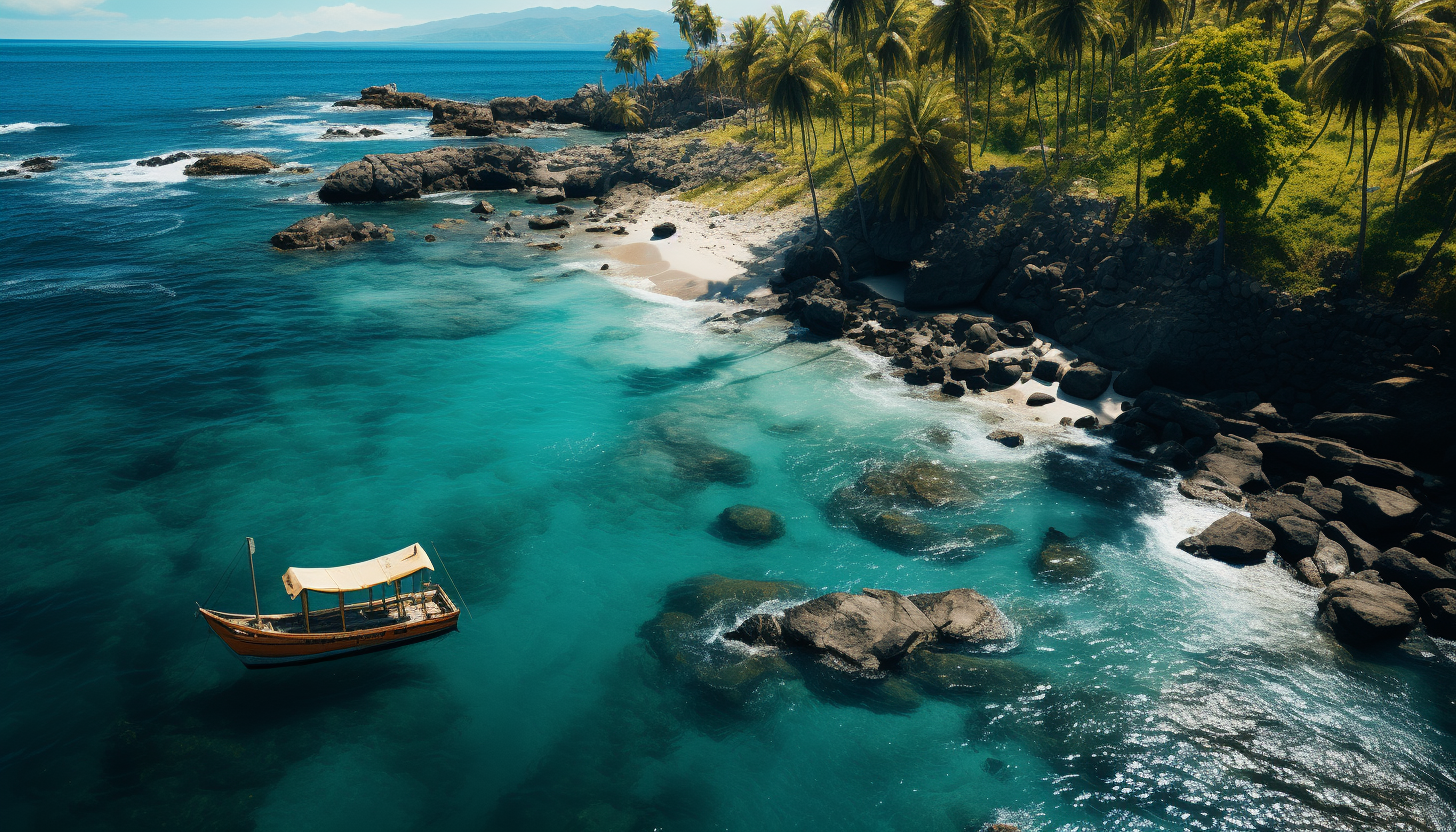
682 15
706 27
918 171
1370 63
1147 18
623 110
957 32
1435 177
853 19
792 76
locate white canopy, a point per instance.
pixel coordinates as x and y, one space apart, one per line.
356 576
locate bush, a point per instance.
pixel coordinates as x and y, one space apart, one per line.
1008 137
1287 73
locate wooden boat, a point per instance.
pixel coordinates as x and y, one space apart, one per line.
346 629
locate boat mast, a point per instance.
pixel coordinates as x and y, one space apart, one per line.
257 608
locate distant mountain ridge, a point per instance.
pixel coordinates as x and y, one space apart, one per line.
592 26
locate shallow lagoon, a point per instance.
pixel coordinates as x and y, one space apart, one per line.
173 385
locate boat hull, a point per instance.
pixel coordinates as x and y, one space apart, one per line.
263 648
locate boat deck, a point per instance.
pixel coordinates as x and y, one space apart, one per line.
357 617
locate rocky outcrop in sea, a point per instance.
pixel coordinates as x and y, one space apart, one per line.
327 232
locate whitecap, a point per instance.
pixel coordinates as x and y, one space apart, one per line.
27 126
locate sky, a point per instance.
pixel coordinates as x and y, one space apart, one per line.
201 20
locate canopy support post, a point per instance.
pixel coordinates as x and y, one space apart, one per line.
306 627
343 624
371 599
398 601
257 608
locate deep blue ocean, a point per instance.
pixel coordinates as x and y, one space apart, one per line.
171 384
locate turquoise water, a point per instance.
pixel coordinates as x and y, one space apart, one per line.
173 385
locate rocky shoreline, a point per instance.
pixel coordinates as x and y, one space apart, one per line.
1305 413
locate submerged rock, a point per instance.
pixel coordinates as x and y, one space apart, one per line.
749 524
230 164
951 674
160 161
920 481
1062 558
698 460
1010 439
988 536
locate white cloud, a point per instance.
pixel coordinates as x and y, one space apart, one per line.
54 8
343 17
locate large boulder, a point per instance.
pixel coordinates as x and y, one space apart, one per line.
1439 606
457 118
1232 538
1377 510
749 524
807 260
1086 381
390 176
1331 560
825 316
520 110
328 232
1362 555
963 615
1373 433
229 164
866 632
1362 612
1415 575
1296 537
1333 460
1237 462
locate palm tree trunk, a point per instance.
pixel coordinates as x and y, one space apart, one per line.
1430 256
1040 125
858 203
1404 158
1137 110
1219 244
990 74
1431 145
1056 79
1285 180
1284 36
1364 191
809 172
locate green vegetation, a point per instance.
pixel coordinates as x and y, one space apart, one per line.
1209 108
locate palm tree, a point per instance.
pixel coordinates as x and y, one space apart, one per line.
853 19
958 31
1027 64
712 70
1066 25
706 27
1436 177
621 56
1147 16
891 41
748 44
1371 62
682 15
622 109
918 170
644 49
792 76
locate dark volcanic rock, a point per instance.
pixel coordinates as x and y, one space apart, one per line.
664 229
377 178
229 164
825 316
1439 606
159 161
1086 381
866 632
1377 510
1361 613
482 207
749 524
759 630
1038 399
1232 538
328 232
40 164
1010 439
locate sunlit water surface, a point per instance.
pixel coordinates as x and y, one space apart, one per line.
172 384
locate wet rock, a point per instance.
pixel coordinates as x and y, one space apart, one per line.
895 530
40 164
917 480
482 207
1439 607
865 632
1010 439
825 316
1270 506
328 232
951 675
1377 510
664 229
963 615
1086 381
758 630
1415 575
229 164
1211 488
1330 560
160 161
1232 538
1363 613
1063 559
547 222
698 460
1362 555
697 596
749 524
1296 537
987 536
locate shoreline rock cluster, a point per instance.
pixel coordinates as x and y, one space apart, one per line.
676 103
28 168
328 233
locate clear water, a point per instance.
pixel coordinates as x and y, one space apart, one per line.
171 384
